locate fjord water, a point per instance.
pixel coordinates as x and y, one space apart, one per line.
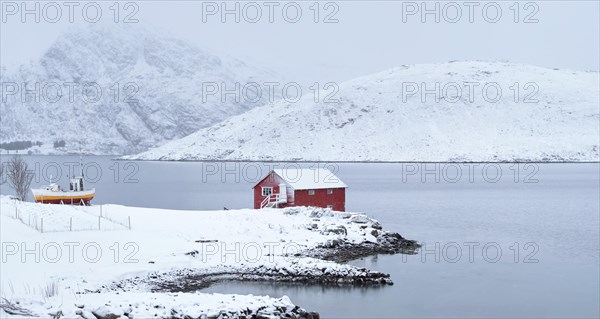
500 240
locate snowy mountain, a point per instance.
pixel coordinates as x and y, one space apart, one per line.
550 115
151 92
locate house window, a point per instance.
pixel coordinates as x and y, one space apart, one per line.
311 192
267 191
329 191
330 206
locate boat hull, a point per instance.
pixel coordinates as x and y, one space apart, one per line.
67 198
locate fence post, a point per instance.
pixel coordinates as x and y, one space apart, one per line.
16 212
129 221
100 210
42 225
71 224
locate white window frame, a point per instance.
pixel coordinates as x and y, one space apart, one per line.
311 192
267 188
329 191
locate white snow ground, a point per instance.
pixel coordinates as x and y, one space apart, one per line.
554 116
46 271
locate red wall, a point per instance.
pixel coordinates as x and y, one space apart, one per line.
270 181
322 199
301 197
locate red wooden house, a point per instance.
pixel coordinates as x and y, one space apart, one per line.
300 187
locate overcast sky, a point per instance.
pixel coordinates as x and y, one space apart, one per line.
369 36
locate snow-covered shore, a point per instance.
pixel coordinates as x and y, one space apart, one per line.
157 305
115 256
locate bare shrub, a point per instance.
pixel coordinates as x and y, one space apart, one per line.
50 289
19 177
2 181
14 309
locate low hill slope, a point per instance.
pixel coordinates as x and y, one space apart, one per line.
481 111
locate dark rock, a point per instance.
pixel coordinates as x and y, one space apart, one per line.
387 243
315 315
192 253
339 230
103 313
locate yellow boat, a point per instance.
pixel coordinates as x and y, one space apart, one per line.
76 195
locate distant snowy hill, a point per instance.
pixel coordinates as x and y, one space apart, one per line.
376 119
163 103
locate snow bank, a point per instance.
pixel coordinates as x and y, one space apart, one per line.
168 305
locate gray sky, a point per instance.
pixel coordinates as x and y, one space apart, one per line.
368 37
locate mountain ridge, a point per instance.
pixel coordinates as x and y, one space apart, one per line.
151 88
372 122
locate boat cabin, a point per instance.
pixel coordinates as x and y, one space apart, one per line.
76 184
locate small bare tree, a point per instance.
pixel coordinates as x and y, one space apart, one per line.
2 173
19 177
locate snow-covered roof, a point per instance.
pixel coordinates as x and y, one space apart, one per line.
310 178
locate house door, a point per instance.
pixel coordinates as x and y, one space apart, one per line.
283 192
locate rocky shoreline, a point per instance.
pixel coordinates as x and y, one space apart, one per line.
334 272
263 312
190 281
342 251
298 245
166 306
337 252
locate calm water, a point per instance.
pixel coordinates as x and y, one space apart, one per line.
524 243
